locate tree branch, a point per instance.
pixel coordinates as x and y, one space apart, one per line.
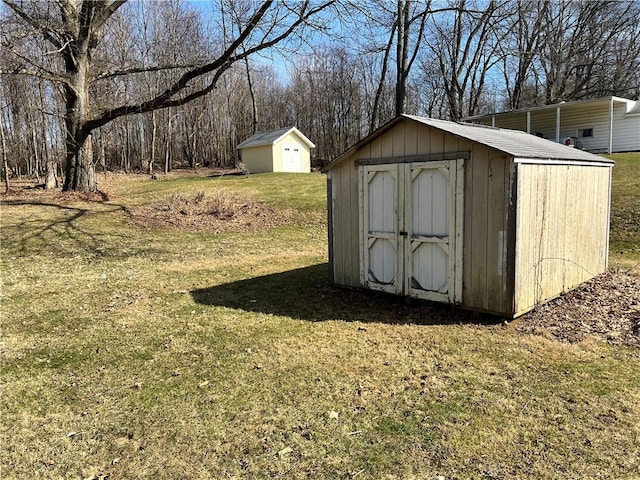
302 19
219 66
39 74
31 62
128 71
48 32
106 12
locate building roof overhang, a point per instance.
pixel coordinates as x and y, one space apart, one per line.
632 107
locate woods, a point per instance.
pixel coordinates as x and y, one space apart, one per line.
142 86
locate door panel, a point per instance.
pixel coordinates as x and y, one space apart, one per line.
382 190
412 218
381 227
291 158
430 192
428 266
382 261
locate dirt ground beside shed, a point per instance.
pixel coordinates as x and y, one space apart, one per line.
607 307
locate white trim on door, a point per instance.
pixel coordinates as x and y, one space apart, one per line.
392 224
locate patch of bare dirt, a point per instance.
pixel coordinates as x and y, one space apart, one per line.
607 307
222 212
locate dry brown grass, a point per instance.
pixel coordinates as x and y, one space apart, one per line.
221 211
133 352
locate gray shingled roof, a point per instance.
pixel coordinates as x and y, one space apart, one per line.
513 142
270 137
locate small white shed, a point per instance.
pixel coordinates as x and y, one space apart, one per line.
489 219
281 150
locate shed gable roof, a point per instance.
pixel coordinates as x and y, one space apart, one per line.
515 143
271 137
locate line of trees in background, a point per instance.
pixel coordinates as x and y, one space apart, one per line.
342 70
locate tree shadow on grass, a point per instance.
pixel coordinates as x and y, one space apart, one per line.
307 294
60 231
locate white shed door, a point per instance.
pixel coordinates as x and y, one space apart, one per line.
413 222
429 263
291 158
381 240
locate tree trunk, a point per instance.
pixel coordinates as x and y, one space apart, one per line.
402 52
153 141
254 108
102 154
51 181
36 168
167 153
5 163
80 171
385 65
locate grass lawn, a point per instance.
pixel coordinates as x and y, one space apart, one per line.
135 351
624 251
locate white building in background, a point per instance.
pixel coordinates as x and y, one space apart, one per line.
603 125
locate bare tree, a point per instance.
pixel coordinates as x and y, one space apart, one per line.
76 30
400 25
5 161
327 100
408 14
519 51
464 45
589 49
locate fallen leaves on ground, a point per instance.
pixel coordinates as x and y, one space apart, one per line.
606 307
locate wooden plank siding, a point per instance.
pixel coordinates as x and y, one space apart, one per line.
345 225
561 240
530 228
486 230
497 226
484 225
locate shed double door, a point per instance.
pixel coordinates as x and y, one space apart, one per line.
411 219
291 158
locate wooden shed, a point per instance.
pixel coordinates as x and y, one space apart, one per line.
489 219
282 150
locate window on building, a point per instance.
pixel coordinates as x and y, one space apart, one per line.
585 132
